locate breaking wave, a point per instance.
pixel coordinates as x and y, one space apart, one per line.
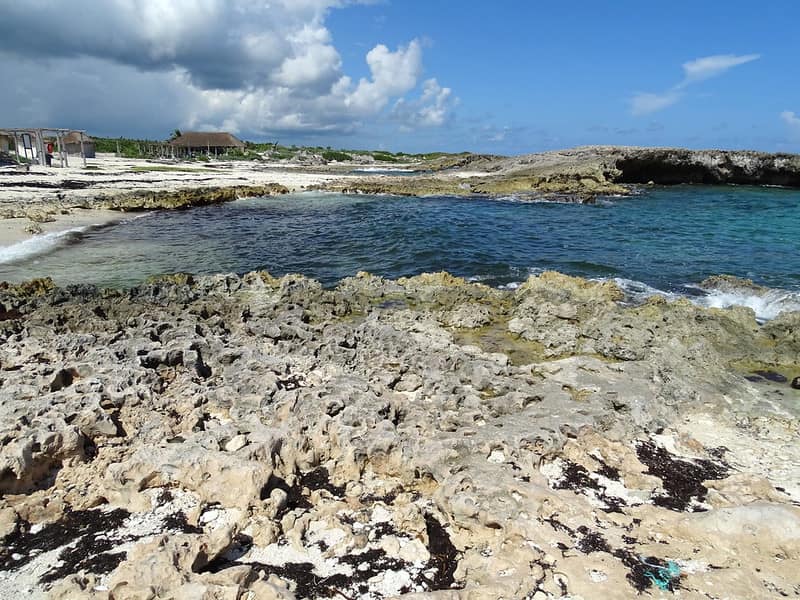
766 304
40 244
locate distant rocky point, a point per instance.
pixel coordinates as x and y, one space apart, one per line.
586 172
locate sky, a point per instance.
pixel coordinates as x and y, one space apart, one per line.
502 77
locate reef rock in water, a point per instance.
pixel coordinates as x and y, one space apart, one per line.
252 437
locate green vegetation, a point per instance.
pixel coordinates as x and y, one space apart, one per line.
127 148
385 157
330 155
147 168
270 151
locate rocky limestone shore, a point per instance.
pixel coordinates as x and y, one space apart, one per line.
47 200
187 198
249 437
582 174
137 201
665 166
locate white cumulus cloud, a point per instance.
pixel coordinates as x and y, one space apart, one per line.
246 65
393 74
431 109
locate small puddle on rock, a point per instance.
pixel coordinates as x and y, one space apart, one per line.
497 338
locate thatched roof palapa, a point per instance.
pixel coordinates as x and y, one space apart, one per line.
207 139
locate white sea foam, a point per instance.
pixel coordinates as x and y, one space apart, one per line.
513 271
767 306
637 292
38 245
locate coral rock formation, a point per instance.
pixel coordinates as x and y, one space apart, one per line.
252 437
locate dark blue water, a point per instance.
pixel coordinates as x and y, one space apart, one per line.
666 237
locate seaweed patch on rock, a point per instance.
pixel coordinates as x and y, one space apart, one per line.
444 555
92 541
564 474
328 564
681 478
85 537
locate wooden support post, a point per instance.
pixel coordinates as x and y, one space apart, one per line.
43 144
60 148
83 152
63 149
39 147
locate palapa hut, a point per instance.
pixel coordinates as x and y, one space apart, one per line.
46 146
72 144
206 142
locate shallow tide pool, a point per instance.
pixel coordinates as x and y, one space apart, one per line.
667 238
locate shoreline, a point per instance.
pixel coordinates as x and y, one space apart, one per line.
16 244
15 230
50 199
577 174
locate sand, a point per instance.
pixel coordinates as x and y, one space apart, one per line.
12 231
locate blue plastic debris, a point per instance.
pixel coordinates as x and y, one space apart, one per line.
662 577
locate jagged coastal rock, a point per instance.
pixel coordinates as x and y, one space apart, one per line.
186 198
671 166
582 174
667 166
252 437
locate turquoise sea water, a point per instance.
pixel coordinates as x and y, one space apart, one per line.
667 238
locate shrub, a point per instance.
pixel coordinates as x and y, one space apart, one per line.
330 155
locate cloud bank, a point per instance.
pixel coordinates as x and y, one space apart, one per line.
700 69
249 66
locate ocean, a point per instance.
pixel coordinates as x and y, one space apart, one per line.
663 240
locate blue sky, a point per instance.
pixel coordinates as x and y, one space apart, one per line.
506 77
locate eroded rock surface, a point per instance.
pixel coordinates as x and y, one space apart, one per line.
581 174
252 437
